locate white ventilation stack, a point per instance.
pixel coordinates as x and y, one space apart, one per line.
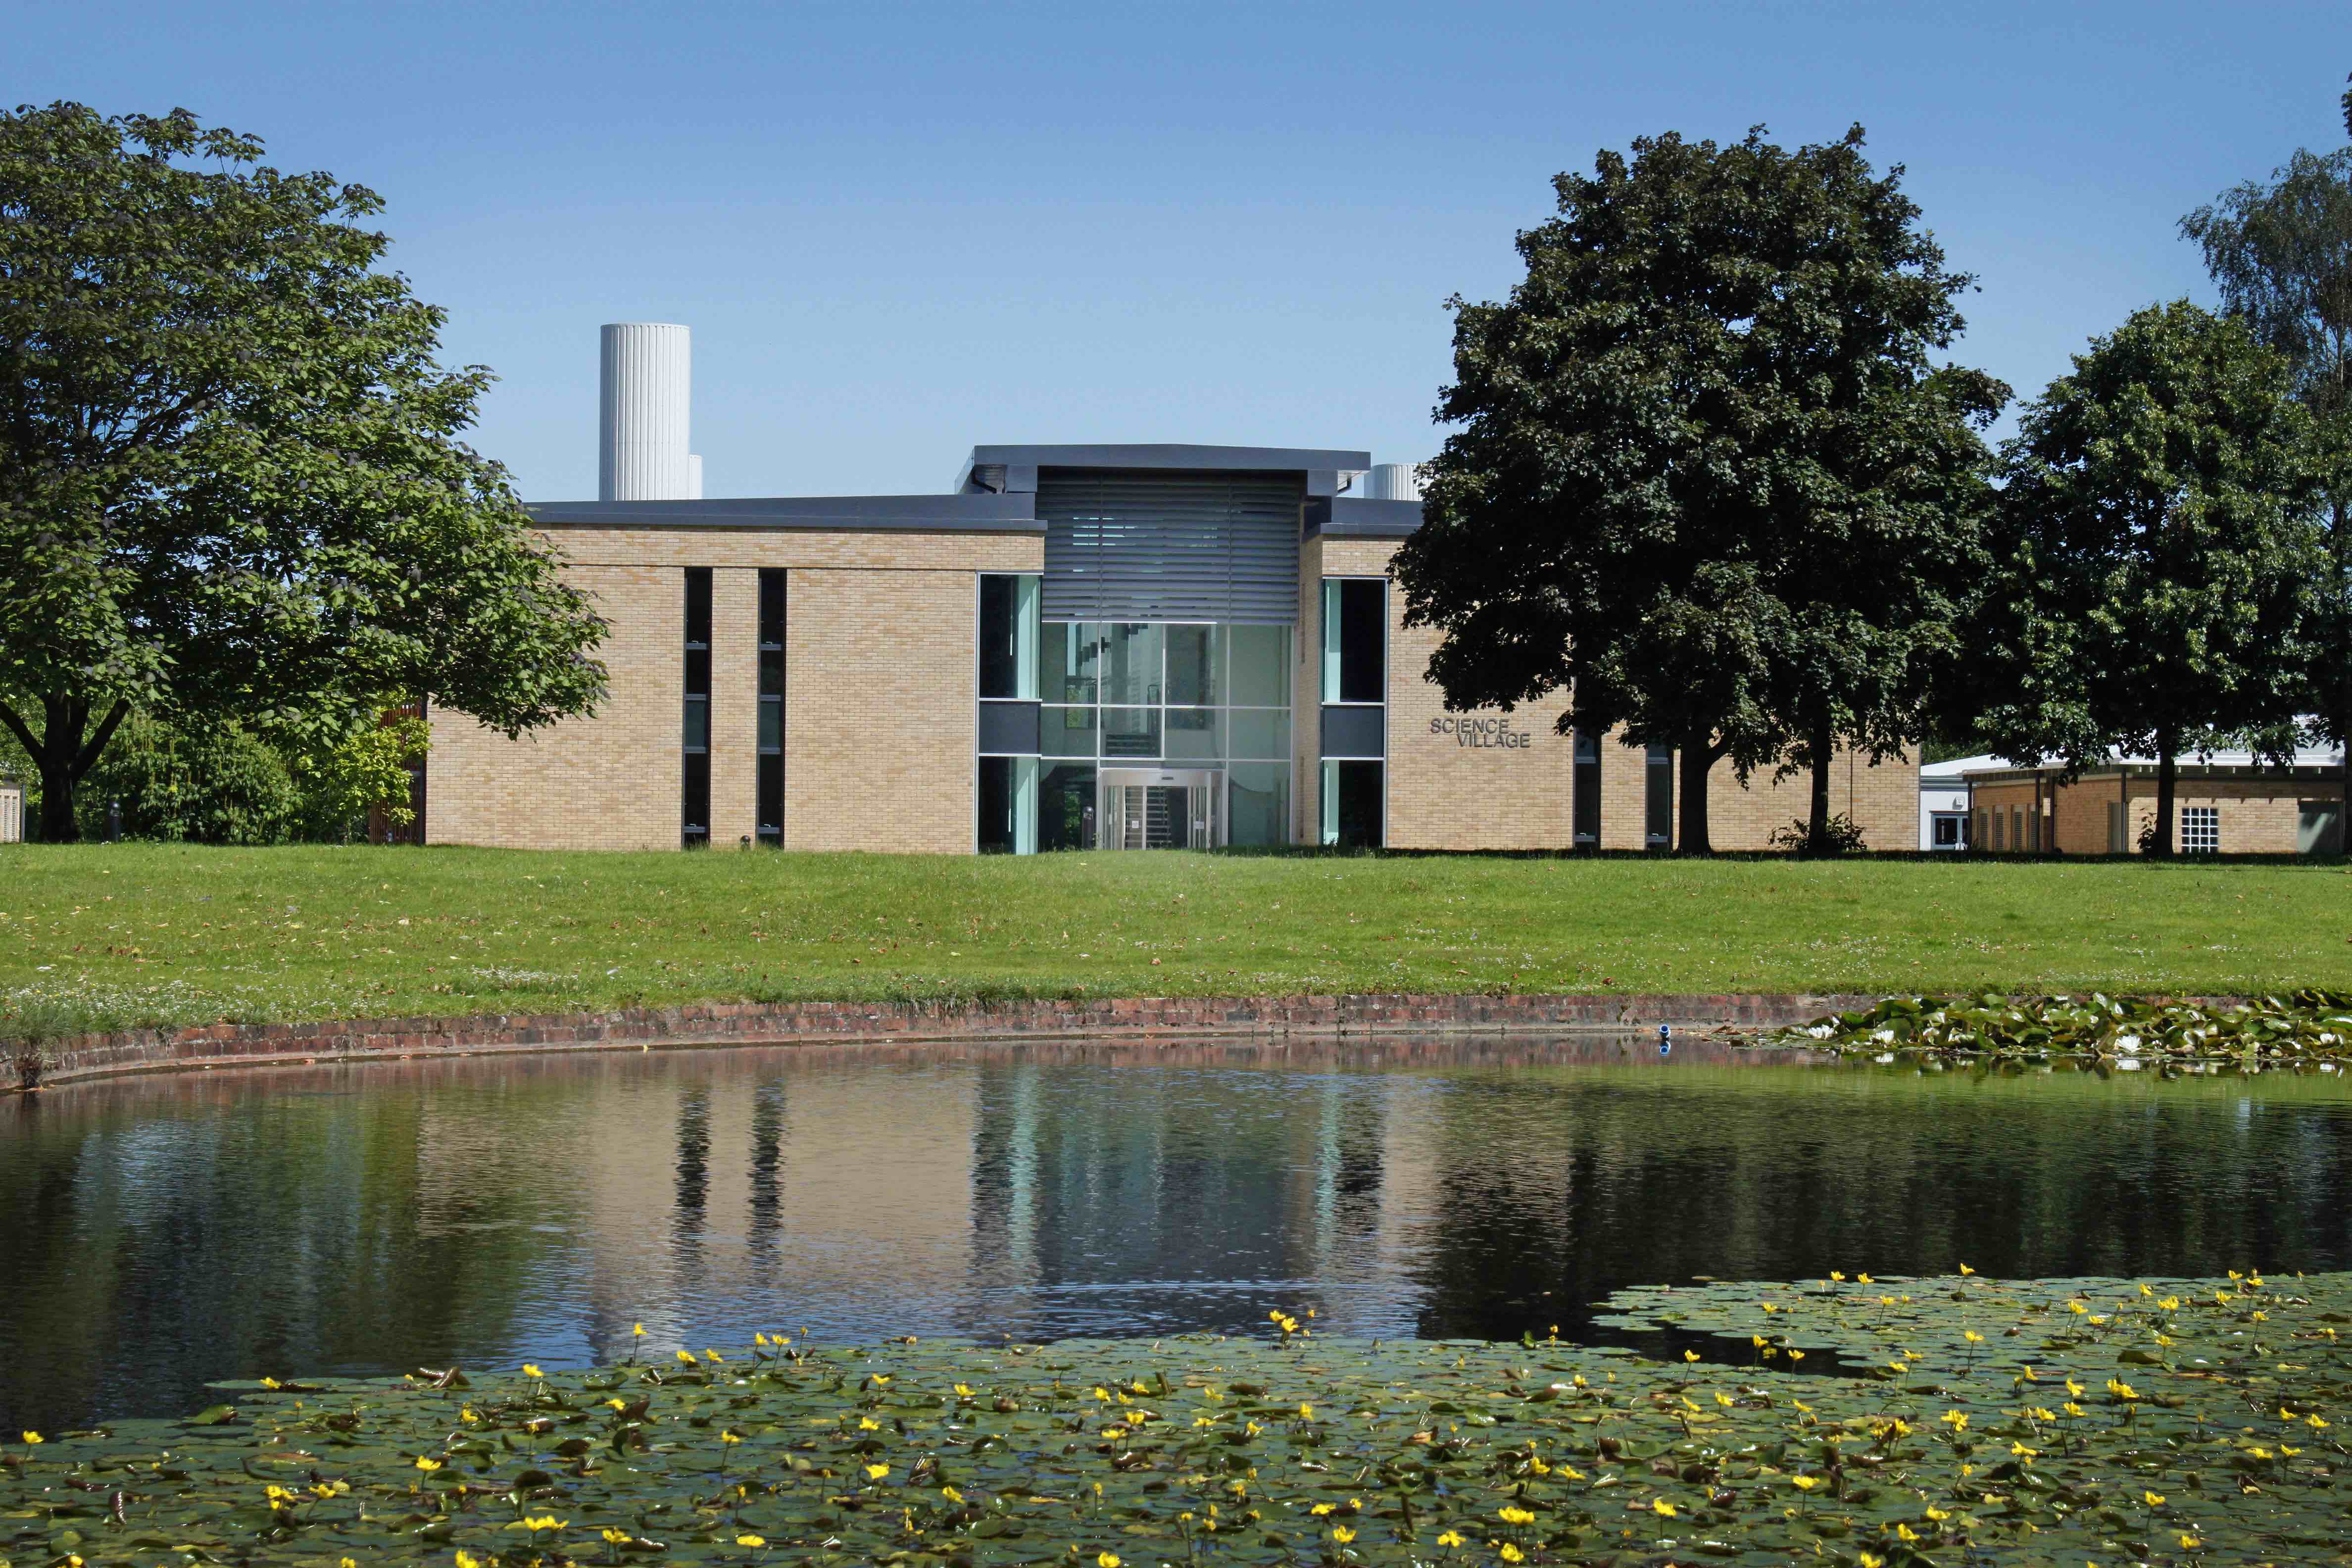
647 392
1393 481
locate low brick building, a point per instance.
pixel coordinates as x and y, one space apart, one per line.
1092 646
2229 804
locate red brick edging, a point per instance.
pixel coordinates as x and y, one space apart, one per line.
792 1023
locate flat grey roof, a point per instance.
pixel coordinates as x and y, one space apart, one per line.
925 514
1356 517
1169 456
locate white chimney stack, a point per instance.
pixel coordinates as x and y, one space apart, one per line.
1394 482
647 390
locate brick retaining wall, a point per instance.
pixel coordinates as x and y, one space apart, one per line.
769 1023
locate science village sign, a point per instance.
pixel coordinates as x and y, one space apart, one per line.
1471 730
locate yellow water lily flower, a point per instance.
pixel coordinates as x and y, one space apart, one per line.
1511 1553
876 1472
427 1466
1516 1516
750 1540
1663 1509
530 1371
1343 1534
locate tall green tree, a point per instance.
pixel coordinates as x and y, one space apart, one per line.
1881 571
2158 543
2281 253
1707 402
233 482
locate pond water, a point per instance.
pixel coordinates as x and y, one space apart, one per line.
156 1233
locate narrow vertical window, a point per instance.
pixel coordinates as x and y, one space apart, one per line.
1354 640
1584 802
694 807
770 782
1009 631
1352 806
1659 799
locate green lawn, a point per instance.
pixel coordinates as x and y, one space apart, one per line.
154 933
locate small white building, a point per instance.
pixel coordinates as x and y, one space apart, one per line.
1944 800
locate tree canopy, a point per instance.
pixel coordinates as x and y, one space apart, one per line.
1707 483
232 476
2157 551
2281 253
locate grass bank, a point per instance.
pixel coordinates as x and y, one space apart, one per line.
122 935
1871 1424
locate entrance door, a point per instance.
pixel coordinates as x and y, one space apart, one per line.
1162 808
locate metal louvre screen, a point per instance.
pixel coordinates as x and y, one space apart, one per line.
1121 546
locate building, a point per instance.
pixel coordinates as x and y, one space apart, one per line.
1075 646
1944 801
2224 802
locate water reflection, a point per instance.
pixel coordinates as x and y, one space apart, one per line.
160 1232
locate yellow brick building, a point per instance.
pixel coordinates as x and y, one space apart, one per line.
2230 802
1105 648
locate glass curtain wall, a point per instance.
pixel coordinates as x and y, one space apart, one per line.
1174 694
1354 613
1009 766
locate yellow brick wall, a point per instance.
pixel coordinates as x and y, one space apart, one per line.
1444 795
885 550
609 782
885 652
2078 816
1883 799
2013 802
2259 816
881 724
1624 793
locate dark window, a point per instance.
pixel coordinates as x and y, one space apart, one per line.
770 786
694 807
1362 605
1066 808
1660 798
996 806
1358 787
1585 801
1000 653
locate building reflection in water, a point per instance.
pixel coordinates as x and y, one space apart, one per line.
164 1231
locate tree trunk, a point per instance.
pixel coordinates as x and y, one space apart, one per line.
1817 811
64 756
2168 779
2336 679
1698 759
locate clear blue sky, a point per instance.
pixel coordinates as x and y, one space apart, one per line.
900 229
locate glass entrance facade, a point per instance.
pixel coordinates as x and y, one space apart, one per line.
1137 698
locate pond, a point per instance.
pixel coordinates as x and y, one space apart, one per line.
160 1232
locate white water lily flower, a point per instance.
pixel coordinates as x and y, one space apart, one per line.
2127 1044
1884 1036
1822 1031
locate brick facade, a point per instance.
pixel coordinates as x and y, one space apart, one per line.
880 639
607 782
1445 794
2261 813
879 715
